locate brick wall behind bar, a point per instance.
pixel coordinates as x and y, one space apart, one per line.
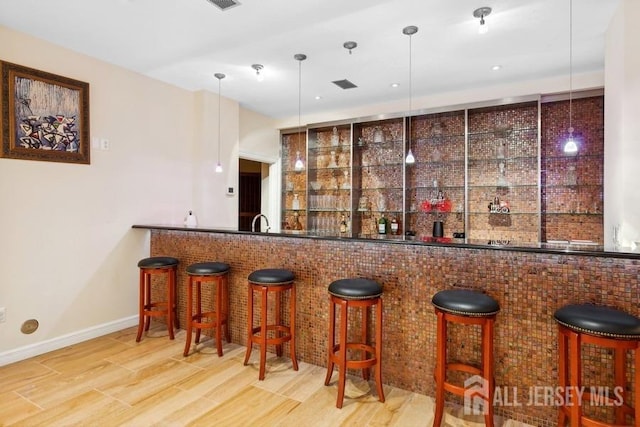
528 286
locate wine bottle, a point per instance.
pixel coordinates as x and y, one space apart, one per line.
394 226
382 225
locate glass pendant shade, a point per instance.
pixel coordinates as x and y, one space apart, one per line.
570 145
299 165
410 159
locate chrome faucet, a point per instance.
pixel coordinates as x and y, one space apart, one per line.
255 218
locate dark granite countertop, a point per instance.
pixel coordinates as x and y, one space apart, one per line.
555 247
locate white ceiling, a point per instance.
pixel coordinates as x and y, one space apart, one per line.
184 42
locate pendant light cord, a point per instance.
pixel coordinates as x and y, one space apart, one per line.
219 95
299 98
410 92
570 65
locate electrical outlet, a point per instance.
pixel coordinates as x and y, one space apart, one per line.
3 314
105 145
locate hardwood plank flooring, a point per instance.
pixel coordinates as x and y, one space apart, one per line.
114 381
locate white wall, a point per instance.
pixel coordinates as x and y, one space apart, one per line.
69 254
213 206
622 124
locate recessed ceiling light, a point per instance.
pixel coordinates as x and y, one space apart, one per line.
318 97
395 84
496 67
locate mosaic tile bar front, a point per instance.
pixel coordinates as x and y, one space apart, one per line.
529 287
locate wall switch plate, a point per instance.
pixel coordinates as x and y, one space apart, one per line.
3 314
230 191
105 145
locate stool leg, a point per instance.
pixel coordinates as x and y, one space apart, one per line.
379 350
487 369
441 357
620 373
171 297
141 301
575 368
225 306
187 345
174 288
263 332
292 328
364 338
147 299
562 374
278 320
219 291
342 349
250 324
198 315
331 340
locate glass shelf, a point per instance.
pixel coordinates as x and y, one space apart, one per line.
328 149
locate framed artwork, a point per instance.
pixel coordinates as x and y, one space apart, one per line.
44 116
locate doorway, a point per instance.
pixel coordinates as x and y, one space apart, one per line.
249 193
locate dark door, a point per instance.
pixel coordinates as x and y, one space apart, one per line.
249 197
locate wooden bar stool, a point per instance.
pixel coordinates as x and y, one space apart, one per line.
354 293
468 308
208 272
605 327
271 281
158 266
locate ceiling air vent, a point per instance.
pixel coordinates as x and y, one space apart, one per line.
224 4
344 84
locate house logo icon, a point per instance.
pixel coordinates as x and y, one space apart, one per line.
476 395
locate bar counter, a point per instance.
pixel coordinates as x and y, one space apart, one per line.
529 281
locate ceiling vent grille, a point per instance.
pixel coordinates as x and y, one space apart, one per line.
344 84
224 4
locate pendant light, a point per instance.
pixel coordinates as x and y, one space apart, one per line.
219 76
570 145
258 68
299 165
481 12
410 30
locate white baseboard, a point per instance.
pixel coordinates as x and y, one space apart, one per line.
42 347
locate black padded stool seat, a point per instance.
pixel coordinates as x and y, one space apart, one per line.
598 320
157 262
277 282
271 276
363 294
216 317
148 307
355 288
607 328
208 268
465 302
464 307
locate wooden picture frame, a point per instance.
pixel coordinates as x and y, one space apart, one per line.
44 116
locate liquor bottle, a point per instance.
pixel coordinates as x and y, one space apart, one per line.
296 203
343 225
382 225
394 226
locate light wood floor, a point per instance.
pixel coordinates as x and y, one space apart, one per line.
114 381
